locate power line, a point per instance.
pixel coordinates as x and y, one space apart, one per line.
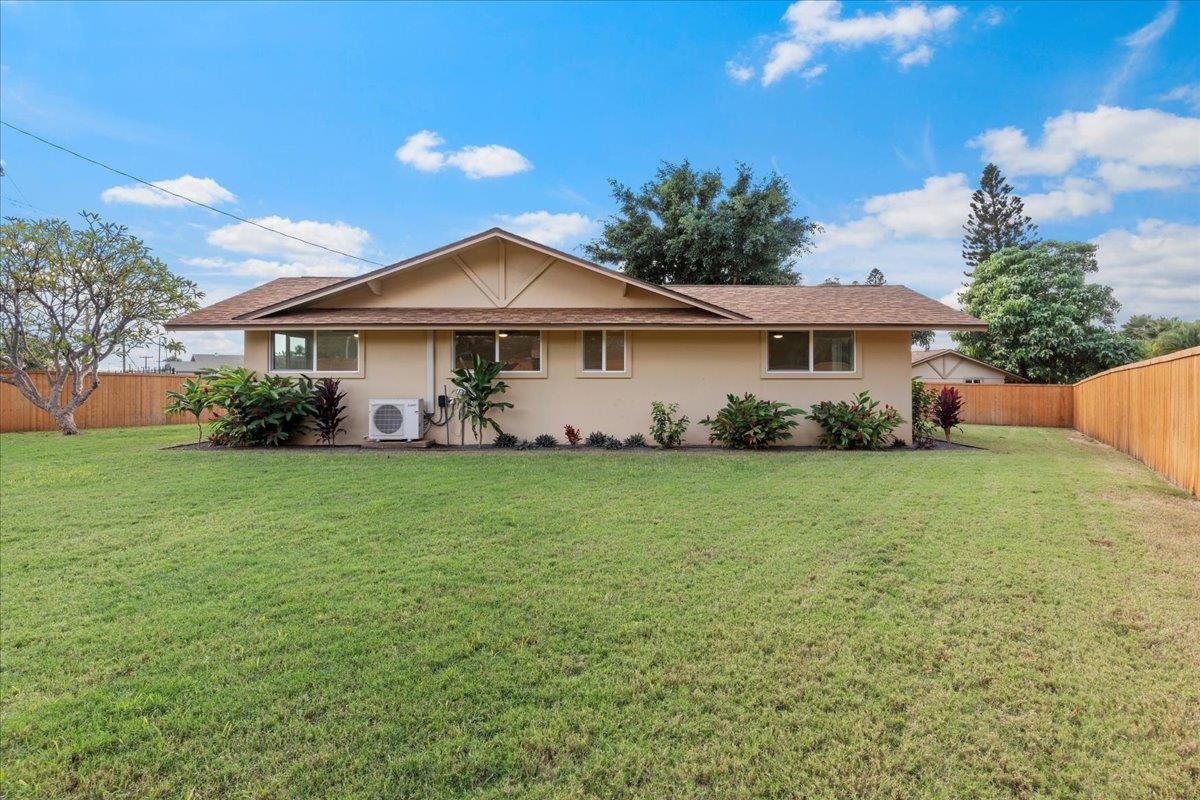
185 198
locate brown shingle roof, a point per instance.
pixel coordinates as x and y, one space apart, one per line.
827 306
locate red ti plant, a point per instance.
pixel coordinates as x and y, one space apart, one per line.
947 412
328 412
572 434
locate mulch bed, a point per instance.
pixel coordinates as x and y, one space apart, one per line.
938 446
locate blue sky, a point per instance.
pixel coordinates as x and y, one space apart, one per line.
385 130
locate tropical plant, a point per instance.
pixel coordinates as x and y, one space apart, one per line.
69 299
328 410
259 411
748 423
612 443
596 439
635 440
572 434
923 401
855 425
194 398
505 440
545 440
686 226
947 412
1178 337
666 429
477 389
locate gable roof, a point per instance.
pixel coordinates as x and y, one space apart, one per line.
922 356
462 244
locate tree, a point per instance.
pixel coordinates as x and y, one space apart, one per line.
1180 336
1145 327
686 226
997 220
875 277
69 298
1045 322
923 339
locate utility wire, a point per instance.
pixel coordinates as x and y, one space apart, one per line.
186 198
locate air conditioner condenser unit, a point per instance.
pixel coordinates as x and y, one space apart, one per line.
396 420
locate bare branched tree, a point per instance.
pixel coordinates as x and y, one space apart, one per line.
70 298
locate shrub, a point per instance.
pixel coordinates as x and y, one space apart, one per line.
597 439
545 440
665 428
855 425
612 443
747 423
948 411
195 398
476 388
572 434
923 401
635 440
259 411
504 440
328 410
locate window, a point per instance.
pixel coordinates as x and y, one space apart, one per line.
314 351
603 351
518 351
810 351
973 380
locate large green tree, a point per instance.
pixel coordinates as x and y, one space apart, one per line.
686 226
1046 322
997 220
1180 336
72 297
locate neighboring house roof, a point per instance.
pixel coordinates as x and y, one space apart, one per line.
286 302
200 362
922 356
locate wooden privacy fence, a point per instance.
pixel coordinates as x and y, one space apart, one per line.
121 400
1028 404
1150 410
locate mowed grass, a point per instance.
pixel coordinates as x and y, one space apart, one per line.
1023 622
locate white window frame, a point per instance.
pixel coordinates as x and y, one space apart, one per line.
314 371
604 372
515 373
767 372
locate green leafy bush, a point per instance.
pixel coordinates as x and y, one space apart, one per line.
612 443
923 401
635 440
748 423
855 425
596 439
194 398
259 411
545 440
505 440
665 428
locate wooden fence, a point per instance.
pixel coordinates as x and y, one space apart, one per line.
1028 404
1150 410
121 400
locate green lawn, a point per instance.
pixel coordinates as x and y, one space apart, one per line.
1023 622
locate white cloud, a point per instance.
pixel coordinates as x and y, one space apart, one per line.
739 72
277 256
814 25
547 228
1188 94
862 232
1143 137
917 57
202 190
1075 197
814 72
421 152
1121 176
1138 44
1153 268
937 210
991 16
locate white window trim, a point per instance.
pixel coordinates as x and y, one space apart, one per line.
516 373
356 372
581 372
810 373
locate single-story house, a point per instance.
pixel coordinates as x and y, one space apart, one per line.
950 366
583 344
202 362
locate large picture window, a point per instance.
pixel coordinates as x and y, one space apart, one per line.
603 351
314 351
518 351
810 351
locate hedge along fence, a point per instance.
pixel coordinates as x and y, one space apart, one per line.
121 400
1026 404
1150 410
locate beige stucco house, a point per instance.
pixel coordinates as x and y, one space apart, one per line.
584 345
950 366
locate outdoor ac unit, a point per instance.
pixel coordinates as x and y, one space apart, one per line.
396 419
